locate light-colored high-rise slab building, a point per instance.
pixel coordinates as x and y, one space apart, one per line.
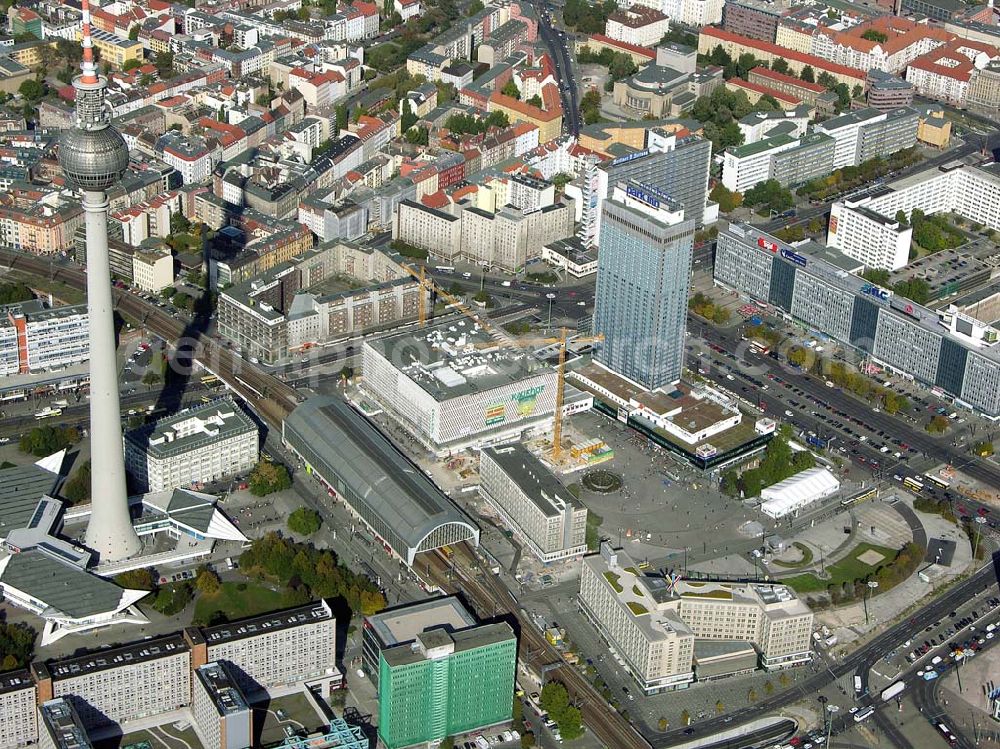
533 502
643 274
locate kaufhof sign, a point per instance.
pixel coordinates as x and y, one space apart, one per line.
527 399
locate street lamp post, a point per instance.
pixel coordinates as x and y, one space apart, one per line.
980 521
550 296
871 588
831 710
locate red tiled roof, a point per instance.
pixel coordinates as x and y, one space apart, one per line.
607 40
436 200
789 54
763 90
509 102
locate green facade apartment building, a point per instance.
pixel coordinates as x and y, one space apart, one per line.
446 683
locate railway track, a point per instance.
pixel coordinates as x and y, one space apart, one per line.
269 396
491 597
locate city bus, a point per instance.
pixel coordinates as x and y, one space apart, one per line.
936 481
759 347
210 380
947 734
912 484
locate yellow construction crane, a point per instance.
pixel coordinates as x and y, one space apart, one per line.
560 381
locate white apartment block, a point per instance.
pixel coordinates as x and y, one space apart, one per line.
18 716
506 239
125 684
60 726
279 650
698 13
745 166
639 25
845 131
152 270
654 623
969 191
756 125
425 227
688 12
140 682
35 338
877 241
533 503
200 444
657 647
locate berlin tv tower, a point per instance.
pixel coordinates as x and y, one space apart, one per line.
94 156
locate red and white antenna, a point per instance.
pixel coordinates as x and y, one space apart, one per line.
89 67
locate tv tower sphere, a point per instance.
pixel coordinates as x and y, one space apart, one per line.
93 160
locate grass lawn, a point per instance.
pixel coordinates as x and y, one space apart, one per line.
235 603
848 568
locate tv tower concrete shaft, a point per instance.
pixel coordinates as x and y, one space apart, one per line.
110 532
94 156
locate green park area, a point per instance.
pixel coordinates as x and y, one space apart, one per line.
857 565
236 601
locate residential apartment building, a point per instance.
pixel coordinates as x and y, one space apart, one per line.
145 681
945 73
198 445
886 92
61 727
639 25
120 685
735 45
35 338
640 305
745 166
533 503
971 192
330 292
273 651
983 94
152 270
220 710
756 19
18 716
807 160
507 238
812 94
665 627
866 133
867 236
757 125
39 221
947 349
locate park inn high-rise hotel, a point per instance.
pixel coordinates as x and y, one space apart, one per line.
643 275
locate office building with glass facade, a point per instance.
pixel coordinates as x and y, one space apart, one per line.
446 683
